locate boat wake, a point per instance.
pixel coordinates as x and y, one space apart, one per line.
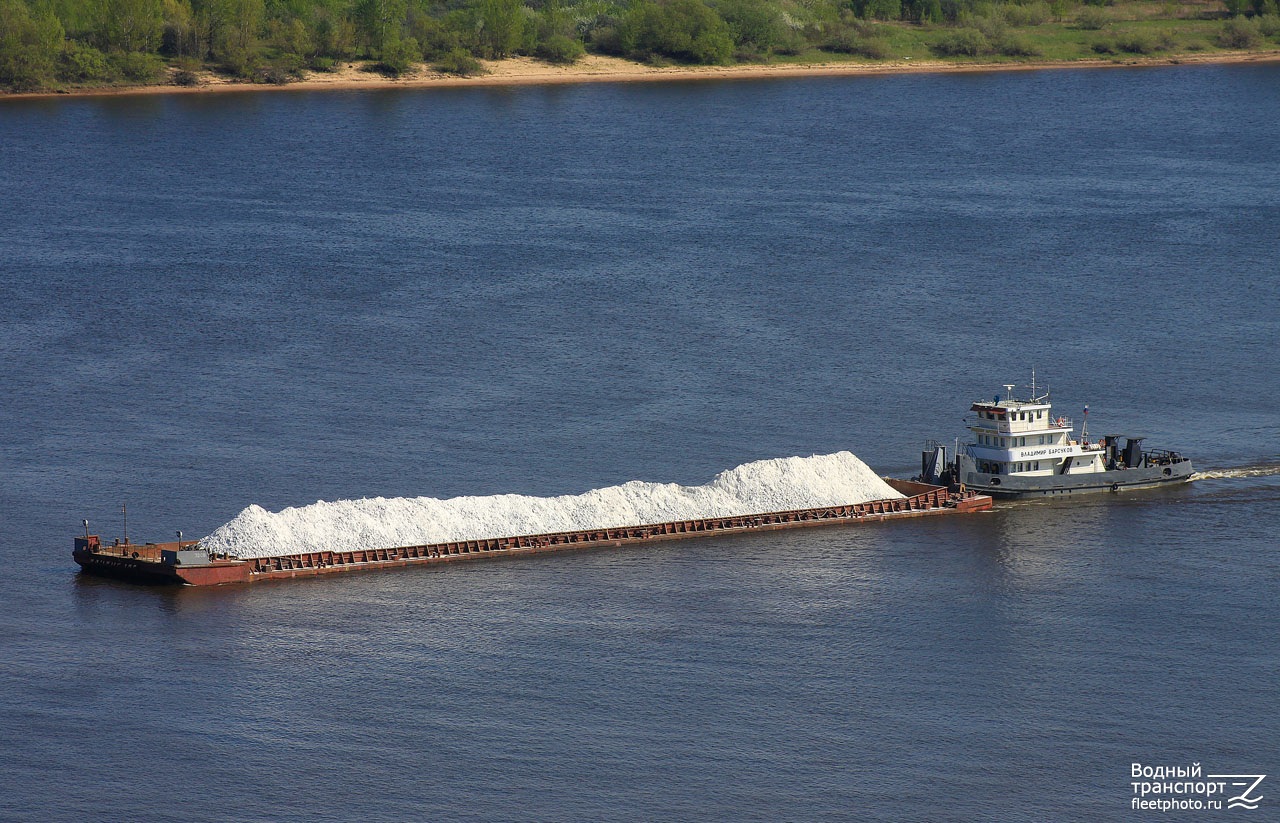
1259 470
782 484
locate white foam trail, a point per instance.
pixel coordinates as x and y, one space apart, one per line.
345 525
1265 470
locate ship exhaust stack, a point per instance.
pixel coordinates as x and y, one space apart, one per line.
933 461
1133 452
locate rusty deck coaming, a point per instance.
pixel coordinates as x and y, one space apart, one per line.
922 500
317 563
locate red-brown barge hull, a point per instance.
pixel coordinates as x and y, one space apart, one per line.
148 564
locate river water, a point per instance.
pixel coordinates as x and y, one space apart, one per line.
208 302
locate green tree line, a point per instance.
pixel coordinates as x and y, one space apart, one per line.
48 43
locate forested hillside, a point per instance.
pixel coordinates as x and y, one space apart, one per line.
48 44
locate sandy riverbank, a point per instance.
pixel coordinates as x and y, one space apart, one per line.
519 71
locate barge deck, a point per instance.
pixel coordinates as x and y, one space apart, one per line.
183 563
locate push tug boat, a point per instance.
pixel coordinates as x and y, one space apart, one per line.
1022 450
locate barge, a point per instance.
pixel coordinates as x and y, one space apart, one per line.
185 563
1021 449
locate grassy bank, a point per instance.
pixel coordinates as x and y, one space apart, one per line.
69 45
1108 36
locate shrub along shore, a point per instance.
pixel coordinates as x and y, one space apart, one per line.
56 46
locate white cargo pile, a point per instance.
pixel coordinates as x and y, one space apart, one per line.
344 525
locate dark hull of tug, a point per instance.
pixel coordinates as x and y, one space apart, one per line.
1012 487
161 563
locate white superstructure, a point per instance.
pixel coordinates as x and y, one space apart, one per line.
1023 437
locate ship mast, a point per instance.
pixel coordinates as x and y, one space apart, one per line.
1035 387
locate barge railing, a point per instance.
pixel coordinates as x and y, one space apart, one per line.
174 563
927 498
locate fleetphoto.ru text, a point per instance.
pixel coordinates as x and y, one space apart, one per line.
1188 788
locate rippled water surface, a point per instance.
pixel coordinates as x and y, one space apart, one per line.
208 302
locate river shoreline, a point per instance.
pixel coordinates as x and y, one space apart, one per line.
524 71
